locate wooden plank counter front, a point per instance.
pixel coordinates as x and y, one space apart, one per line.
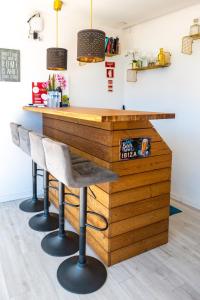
137 205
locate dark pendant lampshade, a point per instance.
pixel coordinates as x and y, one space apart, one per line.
91 46
57 59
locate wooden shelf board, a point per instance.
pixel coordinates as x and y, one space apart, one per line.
151 67
111 55
194 37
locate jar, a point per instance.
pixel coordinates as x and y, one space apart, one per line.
195 28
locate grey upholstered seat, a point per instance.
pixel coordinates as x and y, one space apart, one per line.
78 175
24 140
37 149
15 133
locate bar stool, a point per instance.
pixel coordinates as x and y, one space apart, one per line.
44 221
61 242
78 274
33 204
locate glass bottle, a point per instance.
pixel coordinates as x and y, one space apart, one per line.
161 57
195 28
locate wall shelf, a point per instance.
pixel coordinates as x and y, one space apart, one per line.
187 42
151 67
111 55
132 73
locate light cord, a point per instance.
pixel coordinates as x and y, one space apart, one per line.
57 29
91 13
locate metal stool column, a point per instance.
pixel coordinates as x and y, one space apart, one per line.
82 274
61 242
45 221
33 204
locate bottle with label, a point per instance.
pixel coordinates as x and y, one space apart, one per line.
161 57
59 90
195 28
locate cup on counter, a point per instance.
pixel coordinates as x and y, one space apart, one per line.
53 99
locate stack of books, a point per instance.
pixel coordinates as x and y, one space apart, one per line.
111 46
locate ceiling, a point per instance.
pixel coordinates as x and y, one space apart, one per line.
125 13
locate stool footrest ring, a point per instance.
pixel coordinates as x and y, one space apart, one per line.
70 204
101 217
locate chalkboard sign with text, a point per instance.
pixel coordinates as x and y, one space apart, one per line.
9 65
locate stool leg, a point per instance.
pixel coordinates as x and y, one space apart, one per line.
82 221
45 221
34 204
82 274
61 196
61 242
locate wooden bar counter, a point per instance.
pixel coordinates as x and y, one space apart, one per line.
137 205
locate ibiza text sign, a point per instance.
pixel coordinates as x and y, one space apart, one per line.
9 65
132 148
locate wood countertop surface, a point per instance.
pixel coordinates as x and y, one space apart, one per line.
101 114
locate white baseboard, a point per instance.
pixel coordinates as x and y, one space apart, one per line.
18 196
184 200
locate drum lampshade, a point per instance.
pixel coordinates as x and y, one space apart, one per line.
91 46
57 59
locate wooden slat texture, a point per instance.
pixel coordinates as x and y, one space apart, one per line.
121 212
141 165
104 137
139 247
137 204
100 151
119 241
138 221
100 114
137 208
104 125
125 197
136 194
97 135
136 180
134 236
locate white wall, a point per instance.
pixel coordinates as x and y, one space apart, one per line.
87 84
175 89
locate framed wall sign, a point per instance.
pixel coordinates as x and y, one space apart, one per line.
110 73
9 65
110 64
132 148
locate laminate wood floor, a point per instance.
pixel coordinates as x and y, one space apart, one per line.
171 272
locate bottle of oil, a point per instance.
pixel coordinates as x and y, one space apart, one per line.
161 57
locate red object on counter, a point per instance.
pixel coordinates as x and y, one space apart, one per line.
39 92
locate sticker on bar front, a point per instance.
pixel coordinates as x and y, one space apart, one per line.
133 148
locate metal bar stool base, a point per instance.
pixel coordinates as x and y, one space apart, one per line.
81 279
32 205
56 245
44 223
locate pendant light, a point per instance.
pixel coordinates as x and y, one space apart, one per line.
91 43
57 57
